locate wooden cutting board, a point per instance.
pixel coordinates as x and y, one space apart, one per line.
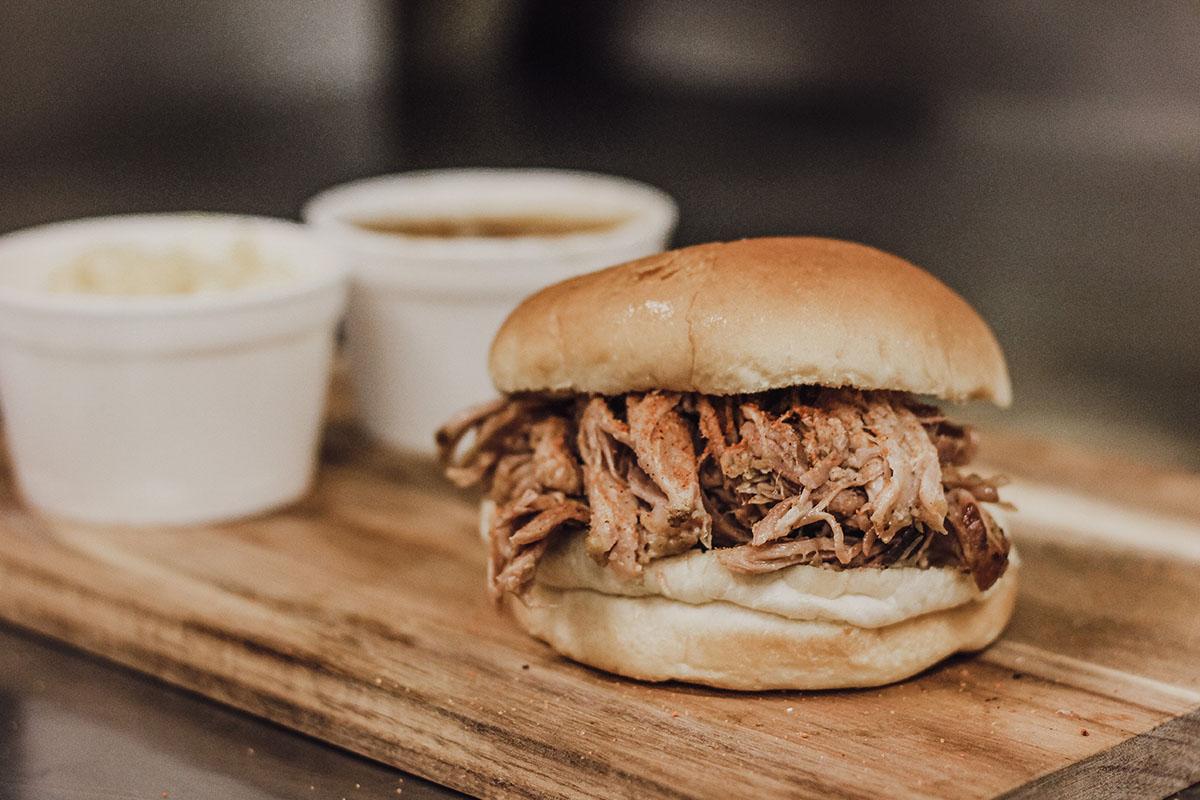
359 617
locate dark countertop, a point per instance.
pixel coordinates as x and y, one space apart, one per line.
73 727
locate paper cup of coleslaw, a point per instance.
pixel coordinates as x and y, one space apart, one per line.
165 369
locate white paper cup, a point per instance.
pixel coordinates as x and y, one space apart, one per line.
423 311
166 409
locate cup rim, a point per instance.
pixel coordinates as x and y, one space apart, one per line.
327 211
330 273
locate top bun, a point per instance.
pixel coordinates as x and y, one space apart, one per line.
752 315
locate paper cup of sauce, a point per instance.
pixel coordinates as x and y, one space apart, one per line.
439 258
165 369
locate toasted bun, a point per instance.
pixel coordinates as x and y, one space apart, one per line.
790 629
749 316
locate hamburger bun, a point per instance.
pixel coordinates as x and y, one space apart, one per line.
748 316
801 627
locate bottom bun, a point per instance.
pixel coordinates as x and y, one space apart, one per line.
654 638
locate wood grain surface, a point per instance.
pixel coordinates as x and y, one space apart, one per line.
359 617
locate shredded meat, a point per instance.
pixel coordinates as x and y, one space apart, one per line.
984 548
553 464
519 535
662 442
830 477
615 535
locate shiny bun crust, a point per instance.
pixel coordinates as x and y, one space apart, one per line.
733 643
752 315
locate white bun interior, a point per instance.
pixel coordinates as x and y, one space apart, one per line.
864 598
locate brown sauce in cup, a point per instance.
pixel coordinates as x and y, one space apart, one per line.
490 227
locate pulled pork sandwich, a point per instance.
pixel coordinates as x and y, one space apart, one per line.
712 465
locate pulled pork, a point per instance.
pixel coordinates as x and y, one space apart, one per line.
808 475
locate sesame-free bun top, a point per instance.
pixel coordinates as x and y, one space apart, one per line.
752 315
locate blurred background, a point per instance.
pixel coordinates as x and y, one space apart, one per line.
1042 159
